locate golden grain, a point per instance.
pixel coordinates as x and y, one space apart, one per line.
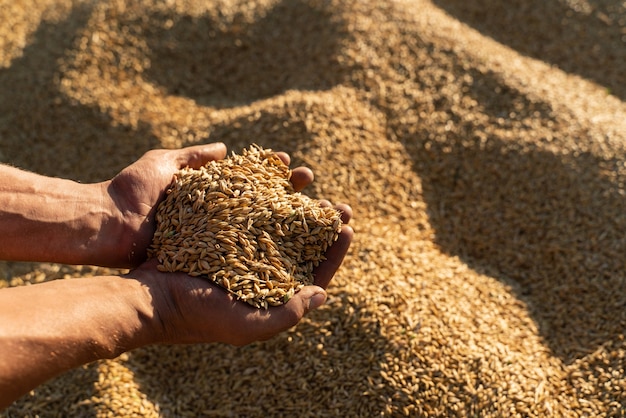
250 222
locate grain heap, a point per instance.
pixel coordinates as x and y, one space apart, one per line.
239 222
481 145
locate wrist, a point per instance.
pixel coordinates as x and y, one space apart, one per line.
137 324
99 228
111 243
157 300
53 219
125 318
121 238
69 323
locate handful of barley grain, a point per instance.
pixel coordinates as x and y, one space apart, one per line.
239 222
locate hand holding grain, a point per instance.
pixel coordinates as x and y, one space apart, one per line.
240 223
247 196
52 327
193 310
136 191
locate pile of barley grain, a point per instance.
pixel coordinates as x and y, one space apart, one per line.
239 222
481 144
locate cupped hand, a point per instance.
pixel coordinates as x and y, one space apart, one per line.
194 310
138 189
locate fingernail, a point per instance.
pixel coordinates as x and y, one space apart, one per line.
317 300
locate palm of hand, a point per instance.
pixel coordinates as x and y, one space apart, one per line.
137 190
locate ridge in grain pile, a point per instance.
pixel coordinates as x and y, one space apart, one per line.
239 222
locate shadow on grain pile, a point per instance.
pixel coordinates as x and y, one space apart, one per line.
46 123
60 396
550 224
232 65
551 30
252 380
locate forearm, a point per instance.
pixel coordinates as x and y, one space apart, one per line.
49 328
55 220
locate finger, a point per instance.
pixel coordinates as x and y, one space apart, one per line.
198 155
301 177
325 203
346 210
284 157
277 319
334 257
241 323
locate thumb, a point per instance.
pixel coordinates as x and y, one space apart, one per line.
317 299
308 299
280 318
198 155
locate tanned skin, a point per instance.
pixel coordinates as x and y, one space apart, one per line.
52 327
